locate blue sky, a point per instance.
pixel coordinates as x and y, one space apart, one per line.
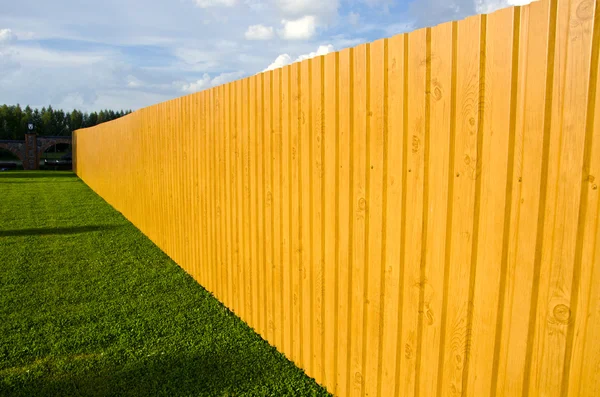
130 54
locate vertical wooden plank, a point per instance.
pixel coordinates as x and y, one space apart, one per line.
164 175
227 199
295 274
220 209
214 257
259 186
246 217
176 186
494 174
306 213
533 55
589 382
411 249
437 206
171 218
377 197
195 194
286 213
172 209
267 157
186 233
179 185
360 208
559 268
205 188
233 197
192 186
216 129
463 205
584 374
190 126
253 210
225 194
202 180
276 215
392 309
344 214
317 157
186 187
330 184
239 211
212 141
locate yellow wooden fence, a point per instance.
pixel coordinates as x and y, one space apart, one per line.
413 216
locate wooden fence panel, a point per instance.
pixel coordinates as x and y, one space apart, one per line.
414 216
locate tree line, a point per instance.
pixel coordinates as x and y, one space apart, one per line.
49 121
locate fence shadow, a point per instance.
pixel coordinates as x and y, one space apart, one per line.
47 231
216 373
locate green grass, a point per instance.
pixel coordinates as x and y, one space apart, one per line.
90 306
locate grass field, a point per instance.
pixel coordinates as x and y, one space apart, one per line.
90 306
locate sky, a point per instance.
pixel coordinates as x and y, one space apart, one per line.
128 54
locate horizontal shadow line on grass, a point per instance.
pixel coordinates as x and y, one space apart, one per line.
57 230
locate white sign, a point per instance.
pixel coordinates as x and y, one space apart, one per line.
30 126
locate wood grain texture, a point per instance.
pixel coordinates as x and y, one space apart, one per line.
414 216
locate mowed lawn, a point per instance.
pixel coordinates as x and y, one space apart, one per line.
90 306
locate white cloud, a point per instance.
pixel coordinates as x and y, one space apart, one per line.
285 59
226 78
6 36
259 32
487 6
280 61
206 81
197 85
299 29
215 3
322 50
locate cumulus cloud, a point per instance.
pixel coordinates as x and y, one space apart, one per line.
259 32
322 50
206 81
280 61
226 78
6 36
286 59
487 6
215 3
299 29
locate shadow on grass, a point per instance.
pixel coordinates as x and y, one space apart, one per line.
38 180
37 174
213 374
46 231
